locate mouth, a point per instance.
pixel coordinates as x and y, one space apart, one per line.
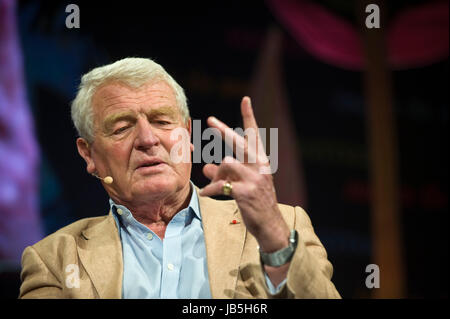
151 164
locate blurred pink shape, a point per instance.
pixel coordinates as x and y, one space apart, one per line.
20 223
417 36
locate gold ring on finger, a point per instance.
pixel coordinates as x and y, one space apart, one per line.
227 188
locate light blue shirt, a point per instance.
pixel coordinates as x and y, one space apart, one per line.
173 268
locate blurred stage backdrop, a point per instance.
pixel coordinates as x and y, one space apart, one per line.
362 118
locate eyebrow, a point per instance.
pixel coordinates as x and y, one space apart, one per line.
169 111
130 116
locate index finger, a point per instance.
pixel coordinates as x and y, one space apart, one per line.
249 121
248 117
253 151
230 137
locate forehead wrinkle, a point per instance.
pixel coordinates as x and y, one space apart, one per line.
126 100
124 93
122 98
105 96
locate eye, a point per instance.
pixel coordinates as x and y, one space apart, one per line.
162 122
120 130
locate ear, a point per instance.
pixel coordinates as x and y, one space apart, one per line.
85 153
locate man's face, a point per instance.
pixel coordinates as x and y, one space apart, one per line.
132 142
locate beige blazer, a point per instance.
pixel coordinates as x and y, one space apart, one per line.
234 268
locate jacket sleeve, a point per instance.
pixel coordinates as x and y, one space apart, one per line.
310 272
37 280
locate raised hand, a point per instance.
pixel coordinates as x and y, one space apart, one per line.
251 181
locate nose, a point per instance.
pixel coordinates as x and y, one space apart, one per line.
146 138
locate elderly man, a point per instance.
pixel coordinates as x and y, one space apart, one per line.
164 237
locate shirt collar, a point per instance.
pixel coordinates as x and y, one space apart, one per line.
192 207
193 204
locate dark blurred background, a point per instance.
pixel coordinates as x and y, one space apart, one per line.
217 51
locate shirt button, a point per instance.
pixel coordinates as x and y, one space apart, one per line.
170 267
119 211
150 236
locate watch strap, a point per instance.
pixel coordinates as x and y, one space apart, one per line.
282 256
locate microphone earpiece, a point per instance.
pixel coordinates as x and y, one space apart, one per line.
108 179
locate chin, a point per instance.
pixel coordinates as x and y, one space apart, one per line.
156 185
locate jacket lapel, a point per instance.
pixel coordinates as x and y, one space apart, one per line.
100 252
224 242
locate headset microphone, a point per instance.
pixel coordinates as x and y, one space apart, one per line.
108 179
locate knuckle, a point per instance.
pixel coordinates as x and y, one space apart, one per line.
228 160
251 189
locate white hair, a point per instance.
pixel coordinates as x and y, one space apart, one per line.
132 72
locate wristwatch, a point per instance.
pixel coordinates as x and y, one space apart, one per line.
282 256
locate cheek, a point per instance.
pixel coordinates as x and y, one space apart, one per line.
116 155
180 147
